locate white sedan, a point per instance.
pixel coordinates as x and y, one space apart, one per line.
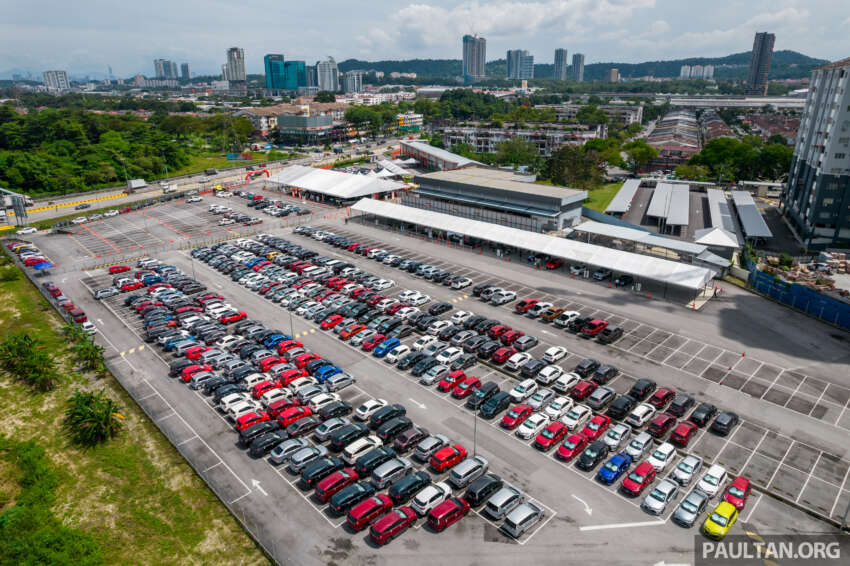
449 355
554 354
419 299
368 408
438 326
549 374
406 312
461 316
396 353
576 417
382 284
27 230
423 343
461 283
532 426
558 407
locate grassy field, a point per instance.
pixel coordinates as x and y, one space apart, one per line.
134 496
199 163
599 198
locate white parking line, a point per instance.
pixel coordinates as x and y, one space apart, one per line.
622 525
803 489
843 483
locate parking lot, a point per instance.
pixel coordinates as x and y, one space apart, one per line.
779 449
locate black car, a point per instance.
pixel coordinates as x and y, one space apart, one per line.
486 349
386 414
480 288
408 486
424 365
472 345
446 333
302 427
586 367
254 431
486 325
702 414
366 464
439 308
424 322
481 395
264 444
414 318
575 326
318 470
176 367
495 405
350 496
346 435
604 374
481 489
226 390
464 362
642 389
313 366
724 423
392 428
624 281
531 368
473 321
334 410
214 383
592 455
681 404
410 360
621 407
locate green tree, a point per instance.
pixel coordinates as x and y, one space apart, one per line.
692 172
27 359
517 152
325 96
572 166
640 154
591 115
92 418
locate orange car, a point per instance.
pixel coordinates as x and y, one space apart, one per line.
351 331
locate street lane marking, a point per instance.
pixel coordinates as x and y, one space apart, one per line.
622 525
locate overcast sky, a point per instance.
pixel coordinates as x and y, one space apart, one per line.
87 35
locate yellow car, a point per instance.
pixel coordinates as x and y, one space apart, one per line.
271 255
720 521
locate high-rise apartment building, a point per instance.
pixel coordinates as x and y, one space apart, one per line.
295 75
165 69
236 64
560 72
327 75
474 58
760 63
56 80
354 81
578 67
185 74
275 68
816 199
700 72
225 72
612 76
520 64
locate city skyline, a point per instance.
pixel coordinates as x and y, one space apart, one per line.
631 31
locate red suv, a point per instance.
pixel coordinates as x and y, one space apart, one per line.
516 416
447 513
738 492
510 337
392 524
501 355
525 304
498 330
583 389
448 383
372 341
118 269
447 457
661 397
682 434
659 425
335 482
638 479
550 436
367 511
292 414
594 327
596 427
572 447
466 387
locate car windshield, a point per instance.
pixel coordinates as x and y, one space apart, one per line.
719 519
688 506
569 445
708 478
636 444
592 425
573 415
591 453
685 467
611 466
550 435
736 492
613 435
635 477
657 495
464 385
519 389
478 394
659 455
538 396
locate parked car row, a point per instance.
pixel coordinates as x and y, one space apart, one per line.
29 254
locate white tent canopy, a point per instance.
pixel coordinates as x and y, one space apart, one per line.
716 237
637 265
333 183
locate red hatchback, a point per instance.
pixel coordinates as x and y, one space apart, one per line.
302 360
572 447
335 482
292 414
447 513
372 341
466 387
447 457
550 436
448 383
367 511
375 300
738 492
118 269
661 397
195 352
287 345
331 321
501 355
683 433
659 425
510 337
391 525
638 479
232 317
525 304
498 330
291 375
395 307
594 327
131 286
516 416
583 389
277 407
251 419
596 427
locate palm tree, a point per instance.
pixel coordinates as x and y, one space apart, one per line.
89 354
92 418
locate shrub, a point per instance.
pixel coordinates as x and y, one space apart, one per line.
92 418
25 357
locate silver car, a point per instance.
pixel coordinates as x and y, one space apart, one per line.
689 510
688 469
300 459
541 399
521 519
324 430
468 471
600 397
339 381
503 502
660 496
617 435
283 451
434 375
362 336
639 445
426 448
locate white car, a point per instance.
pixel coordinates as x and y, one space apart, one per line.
640 415
382 305
360 447
226 221
538 309
429 497
517 361
79 220
549 374
523 390
532 426
554 354
713 480
368 408
461 283
229 400
110 213
578 269
576 417
617 435
662 456
89 328
195 198
566 382
396 354
437 326
408 294
423 343
419 300
558 408
406 312
322 400
460 317
27 230
382 284
270 397
449 355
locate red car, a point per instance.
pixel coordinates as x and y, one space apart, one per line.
466 387
391 525
263 387
180 310
375 300
550 436
583 389
187 372
335 482
501 355
498 330
267 363
204 299
251 419
638 479
367 511
511 336
447 513
195 352
132 286
55 292
448 383
291 375
302 360
261 265
277 407
357 292
287 345
661 397
596 427
233 317
372 341
660 424
141 273
572 447
683 433
331 321
516 416
292 414
738 492
554 263
268 286
525 304
594 327
395 307
351 331
68 307
447 457
118 269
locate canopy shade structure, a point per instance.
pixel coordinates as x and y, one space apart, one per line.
639 236
680 275
670 202
333 183
751 219
716 238
622 201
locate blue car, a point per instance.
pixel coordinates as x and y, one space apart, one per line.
275 339
385 347
326 372
615 467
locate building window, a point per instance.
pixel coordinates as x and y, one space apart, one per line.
827 201
840 155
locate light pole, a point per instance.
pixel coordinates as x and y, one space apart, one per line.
475 434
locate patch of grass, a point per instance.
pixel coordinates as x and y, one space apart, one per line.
134 496
600 198
199 163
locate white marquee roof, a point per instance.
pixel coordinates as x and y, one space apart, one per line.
333 183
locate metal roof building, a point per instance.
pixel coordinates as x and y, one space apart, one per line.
660 201
721 216
622 201
685 278
751 219
334 184
647 239
434 157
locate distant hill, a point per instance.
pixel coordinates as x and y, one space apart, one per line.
785 65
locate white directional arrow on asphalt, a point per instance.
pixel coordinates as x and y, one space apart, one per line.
258 487
587 508
418 404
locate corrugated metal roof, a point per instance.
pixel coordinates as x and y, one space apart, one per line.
637 265
438 153
678 212
624 197
716 237
502 180
751 219
660 199
639 236
333 183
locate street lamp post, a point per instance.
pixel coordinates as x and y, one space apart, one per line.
475 434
